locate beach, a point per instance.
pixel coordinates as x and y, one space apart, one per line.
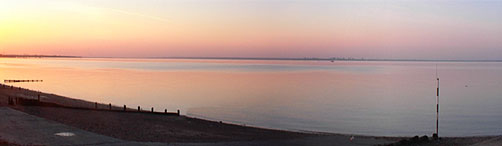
148 128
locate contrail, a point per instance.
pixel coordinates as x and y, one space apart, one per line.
138 14
77 7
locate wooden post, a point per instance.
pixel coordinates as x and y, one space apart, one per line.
165 111
124 107
152 109
139 108
178 112
95 105
110 106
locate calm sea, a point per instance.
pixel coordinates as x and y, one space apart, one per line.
371 98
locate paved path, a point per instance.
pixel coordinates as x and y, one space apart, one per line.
21 128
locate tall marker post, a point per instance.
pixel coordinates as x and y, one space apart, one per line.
436 135
437 109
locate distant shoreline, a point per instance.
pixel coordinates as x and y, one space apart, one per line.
259 58
323 59
37 56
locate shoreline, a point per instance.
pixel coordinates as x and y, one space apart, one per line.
178 129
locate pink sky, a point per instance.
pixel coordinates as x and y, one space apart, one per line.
259 28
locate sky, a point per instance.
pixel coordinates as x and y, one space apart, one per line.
421 29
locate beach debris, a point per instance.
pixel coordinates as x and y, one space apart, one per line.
65 134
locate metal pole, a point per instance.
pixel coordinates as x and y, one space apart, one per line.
437 109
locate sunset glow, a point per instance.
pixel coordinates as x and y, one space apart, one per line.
253 28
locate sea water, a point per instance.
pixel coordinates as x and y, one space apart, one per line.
358 97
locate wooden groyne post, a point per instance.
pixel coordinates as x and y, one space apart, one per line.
124 107
16 81
10 101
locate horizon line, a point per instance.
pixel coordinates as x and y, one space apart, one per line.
260 58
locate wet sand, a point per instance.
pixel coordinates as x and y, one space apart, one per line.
180 130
